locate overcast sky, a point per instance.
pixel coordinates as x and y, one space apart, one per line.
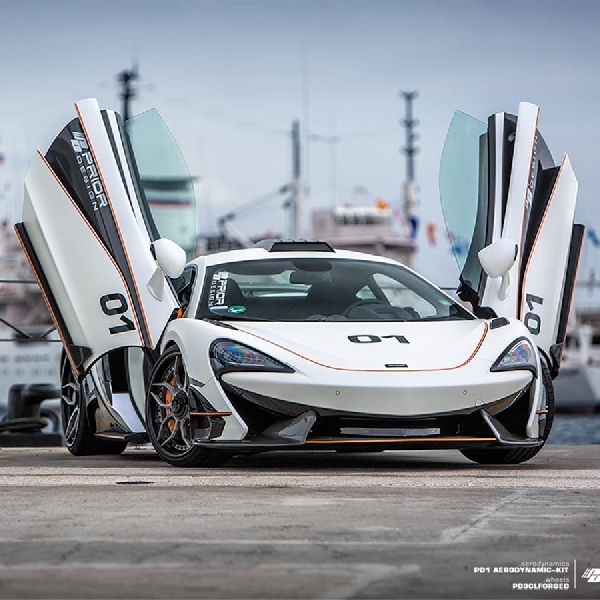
229 77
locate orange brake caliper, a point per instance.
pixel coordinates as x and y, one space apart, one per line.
168 399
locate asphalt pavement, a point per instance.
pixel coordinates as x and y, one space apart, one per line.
425 524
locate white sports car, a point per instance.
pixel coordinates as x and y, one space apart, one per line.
292 344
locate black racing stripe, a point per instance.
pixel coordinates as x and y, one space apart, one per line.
544 154
132 289
66 163
491 199
508 150
113 145
571 275
121 258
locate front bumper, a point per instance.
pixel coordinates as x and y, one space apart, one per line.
399 393
277 424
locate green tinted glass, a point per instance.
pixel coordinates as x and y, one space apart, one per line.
165 178
463 180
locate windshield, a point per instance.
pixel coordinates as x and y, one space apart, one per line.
320 289
464 192
165 178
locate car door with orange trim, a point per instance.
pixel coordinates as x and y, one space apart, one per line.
87 232
499 180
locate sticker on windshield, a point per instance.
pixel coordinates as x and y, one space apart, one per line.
218 289
445 302
236 309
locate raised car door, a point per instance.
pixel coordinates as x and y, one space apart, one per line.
87 233
498 180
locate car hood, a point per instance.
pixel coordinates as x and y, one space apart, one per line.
376 346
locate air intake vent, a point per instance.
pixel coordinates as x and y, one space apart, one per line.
498 322
294 246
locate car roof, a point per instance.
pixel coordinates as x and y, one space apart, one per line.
263 254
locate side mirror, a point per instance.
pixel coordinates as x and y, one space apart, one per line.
497 260
170 259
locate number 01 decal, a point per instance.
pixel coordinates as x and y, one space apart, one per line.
532 320
115 304
366 338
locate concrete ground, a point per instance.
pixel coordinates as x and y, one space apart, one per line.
285 525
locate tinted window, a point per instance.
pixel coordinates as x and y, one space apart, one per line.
165 178
464 192
322 289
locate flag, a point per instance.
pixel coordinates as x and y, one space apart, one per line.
413 225
398 216
458 245
430 229
381 204
593 237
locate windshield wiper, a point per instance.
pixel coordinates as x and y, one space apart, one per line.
219 323
447 318
229 317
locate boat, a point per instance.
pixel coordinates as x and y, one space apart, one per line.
364 228
577 387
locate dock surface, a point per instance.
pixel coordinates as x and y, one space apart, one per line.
424 524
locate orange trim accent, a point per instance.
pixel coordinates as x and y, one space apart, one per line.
112 436
137 291
60 333
485 329
402 440
210 414
178 313
541 412
537 235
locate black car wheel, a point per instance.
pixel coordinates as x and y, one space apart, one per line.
513 456
77 433
168 415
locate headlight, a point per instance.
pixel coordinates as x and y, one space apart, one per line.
227 355
519 355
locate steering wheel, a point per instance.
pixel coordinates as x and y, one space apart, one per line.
359 303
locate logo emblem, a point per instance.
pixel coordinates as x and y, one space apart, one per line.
592 575
236 309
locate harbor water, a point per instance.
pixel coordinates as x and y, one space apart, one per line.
575 429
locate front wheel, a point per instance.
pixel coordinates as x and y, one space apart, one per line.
514 456
168 415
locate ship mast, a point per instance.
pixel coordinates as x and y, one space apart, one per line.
296 187
126 79
410 151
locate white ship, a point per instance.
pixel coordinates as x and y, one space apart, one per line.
369 229
577 387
